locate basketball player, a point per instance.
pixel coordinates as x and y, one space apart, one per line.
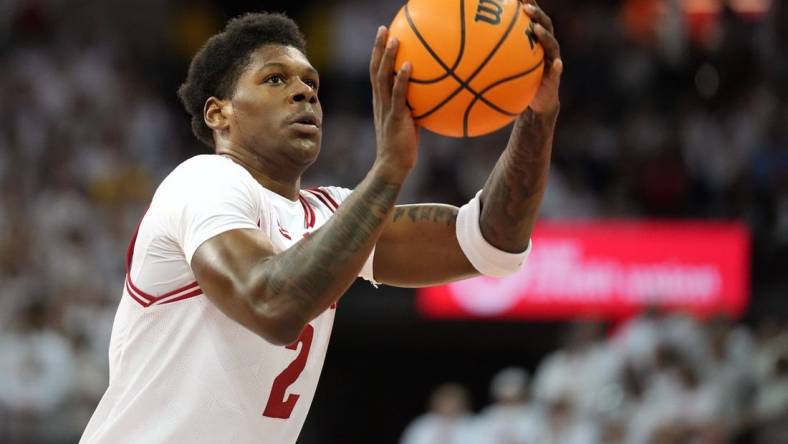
234 273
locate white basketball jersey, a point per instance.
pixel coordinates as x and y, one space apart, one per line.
180 370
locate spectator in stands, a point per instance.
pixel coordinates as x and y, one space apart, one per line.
564 424
585 354
447 420
37 372
511 419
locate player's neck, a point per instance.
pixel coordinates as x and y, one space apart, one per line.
287 187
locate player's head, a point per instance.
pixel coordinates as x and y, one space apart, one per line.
249 86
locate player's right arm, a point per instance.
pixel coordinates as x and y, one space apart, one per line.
275 294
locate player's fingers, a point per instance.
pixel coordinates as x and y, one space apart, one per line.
399 93
531 2
556 69
377 53
385 76
539 16
552 50
553 73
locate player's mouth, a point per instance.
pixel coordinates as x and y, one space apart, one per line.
305 123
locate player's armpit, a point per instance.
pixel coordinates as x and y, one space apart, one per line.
419 248
226 267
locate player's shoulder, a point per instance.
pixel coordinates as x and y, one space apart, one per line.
205 173
205 166
210 183
202 190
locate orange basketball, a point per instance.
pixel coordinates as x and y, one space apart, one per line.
476 63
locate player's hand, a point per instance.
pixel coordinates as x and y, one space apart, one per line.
546 98
396 132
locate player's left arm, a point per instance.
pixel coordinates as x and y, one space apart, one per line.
514 190
419 246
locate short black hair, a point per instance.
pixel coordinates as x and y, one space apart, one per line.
215 69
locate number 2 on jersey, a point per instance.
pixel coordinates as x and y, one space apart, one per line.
278 406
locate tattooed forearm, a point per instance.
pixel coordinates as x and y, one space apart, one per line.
313 273
363 217
514 190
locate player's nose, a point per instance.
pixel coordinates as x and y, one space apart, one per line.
302 92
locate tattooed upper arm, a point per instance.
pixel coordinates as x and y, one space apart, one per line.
437 213
418 247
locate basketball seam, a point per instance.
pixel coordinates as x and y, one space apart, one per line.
481 66
497 46
493 85
450 72
464 84
459 55
512 77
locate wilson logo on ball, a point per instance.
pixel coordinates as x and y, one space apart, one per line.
489 11
530 33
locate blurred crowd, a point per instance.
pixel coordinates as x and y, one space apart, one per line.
657 379
666 112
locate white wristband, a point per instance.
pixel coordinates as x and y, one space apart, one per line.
487 259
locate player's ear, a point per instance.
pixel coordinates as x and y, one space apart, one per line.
217 114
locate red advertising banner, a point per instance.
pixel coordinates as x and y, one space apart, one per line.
610 270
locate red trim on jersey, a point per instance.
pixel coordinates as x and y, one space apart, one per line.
135 297
309 212
192 294
322 199
283 231
152 298
130 249
328 196
145 299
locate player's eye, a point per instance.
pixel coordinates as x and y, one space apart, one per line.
275 79
311 83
